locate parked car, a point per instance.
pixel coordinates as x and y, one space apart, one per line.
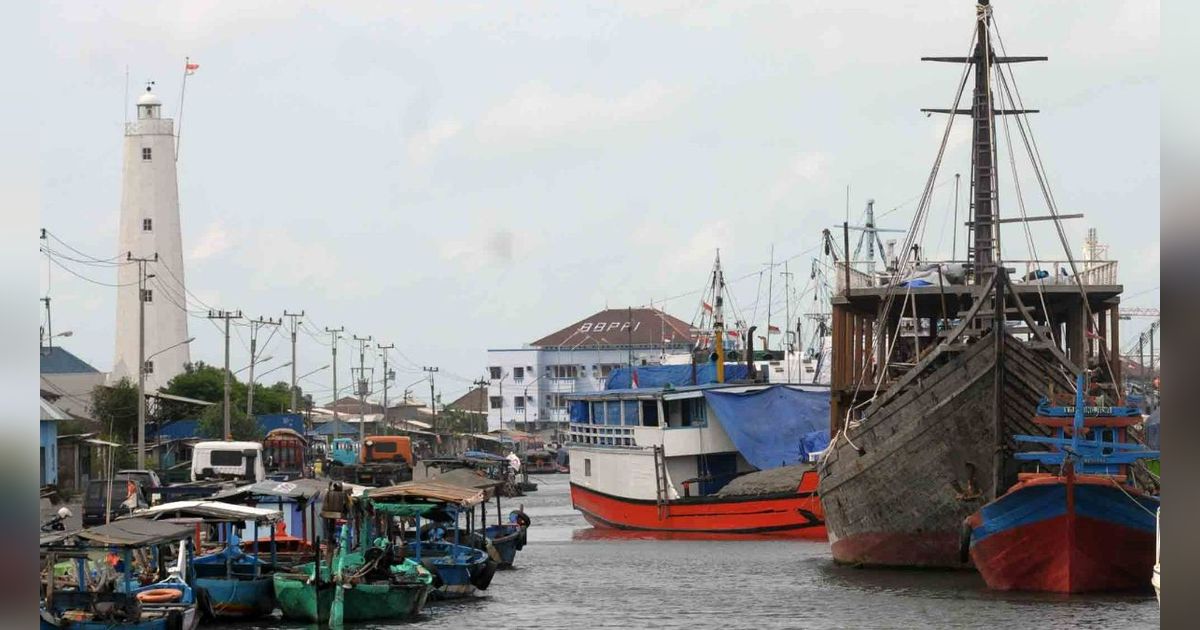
106 499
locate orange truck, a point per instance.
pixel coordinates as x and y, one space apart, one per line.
384 460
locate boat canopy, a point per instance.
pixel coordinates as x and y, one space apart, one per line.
137 532
430 491
467 478
294 489
674 375
214 511
774 426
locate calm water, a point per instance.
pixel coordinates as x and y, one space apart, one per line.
571 576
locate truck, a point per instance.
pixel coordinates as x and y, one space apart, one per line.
216 465
383 460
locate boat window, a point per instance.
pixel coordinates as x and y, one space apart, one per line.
649 413
694 414
587 467
226 458
612 412
597 413
631 412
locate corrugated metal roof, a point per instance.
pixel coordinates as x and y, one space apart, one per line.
56 360
50 412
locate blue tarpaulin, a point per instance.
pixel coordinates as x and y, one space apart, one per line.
674 375
773 427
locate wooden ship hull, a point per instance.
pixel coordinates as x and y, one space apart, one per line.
926 459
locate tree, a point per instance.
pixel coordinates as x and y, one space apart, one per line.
459 421
212 424
201 382
115 406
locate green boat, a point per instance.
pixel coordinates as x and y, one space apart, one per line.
375 585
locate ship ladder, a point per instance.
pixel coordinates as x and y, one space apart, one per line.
662 499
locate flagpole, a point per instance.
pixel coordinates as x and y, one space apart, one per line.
179 119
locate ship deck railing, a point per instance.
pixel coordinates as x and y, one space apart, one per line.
1098 273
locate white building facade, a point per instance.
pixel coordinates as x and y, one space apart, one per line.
149 226
527 385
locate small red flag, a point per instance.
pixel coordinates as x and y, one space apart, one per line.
191 68
734 333
707 306
772 329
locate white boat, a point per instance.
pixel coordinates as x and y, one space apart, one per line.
1156 579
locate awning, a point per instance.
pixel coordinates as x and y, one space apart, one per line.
136 533
428 491
208 510
484 436
184 399
294 489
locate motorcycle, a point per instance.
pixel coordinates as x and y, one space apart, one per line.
55 524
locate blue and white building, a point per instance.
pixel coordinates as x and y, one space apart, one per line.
527 385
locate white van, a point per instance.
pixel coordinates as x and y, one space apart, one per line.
216 460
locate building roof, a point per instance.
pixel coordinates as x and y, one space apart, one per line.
471 402
50 412
621 327
56 360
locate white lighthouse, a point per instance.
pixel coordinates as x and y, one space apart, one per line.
150 226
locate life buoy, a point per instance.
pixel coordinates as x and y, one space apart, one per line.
160 595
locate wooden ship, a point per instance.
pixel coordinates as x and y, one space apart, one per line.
931 379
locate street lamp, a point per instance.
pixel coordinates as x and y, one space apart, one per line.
256 362
141 452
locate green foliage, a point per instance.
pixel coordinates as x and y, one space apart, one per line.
243 427
115 407
206 382
458 421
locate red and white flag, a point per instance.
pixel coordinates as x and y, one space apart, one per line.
190 68
707 306
733 333
772 329
633 379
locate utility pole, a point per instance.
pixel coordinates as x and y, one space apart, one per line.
49 328
387 376
255 324
482 384
226 315
142 277
363 386
432 400
333 332
295 322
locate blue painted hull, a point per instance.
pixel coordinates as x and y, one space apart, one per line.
250 598
459 570
507 541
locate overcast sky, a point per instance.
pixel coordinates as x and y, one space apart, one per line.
452 176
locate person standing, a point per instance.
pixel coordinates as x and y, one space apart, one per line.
334 506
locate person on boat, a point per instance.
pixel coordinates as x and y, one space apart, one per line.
519 516
335 505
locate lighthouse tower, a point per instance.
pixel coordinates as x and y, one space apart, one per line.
150 226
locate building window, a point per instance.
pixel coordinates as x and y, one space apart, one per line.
146 153
147 225
494 373
495 402
587 467
149 367
147 295
519 403
566 371
518 374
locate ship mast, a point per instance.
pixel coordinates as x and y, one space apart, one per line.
718 285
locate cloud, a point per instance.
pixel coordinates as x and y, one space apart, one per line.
488 247
807 167
538 113
423 144
213 241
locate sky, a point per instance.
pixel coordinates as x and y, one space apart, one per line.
455 176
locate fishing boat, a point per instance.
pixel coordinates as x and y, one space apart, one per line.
442 518
937 364
135 589
1085 527
371 583
231 583
501 540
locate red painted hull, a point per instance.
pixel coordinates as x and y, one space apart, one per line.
791 515
918 550
1066 554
